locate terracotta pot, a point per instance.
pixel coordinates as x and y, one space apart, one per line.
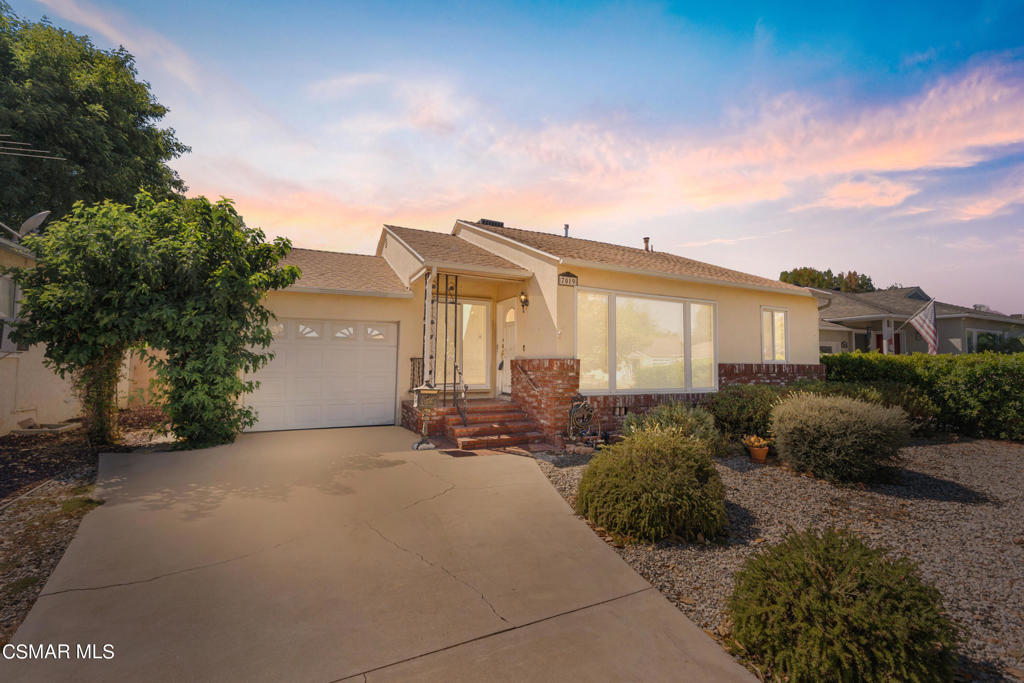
758 454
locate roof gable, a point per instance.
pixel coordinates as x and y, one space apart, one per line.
439 247
638 260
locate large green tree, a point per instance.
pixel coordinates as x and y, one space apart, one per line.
185 279
806 276
61 93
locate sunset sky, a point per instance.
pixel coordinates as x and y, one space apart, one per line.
883 137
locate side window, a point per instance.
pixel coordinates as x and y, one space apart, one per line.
6 297
774 335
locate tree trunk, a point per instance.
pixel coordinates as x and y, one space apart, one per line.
97 388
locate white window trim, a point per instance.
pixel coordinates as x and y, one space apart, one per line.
688 379
489 361
7 346
760 324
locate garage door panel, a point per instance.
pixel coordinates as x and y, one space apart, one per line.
272 387
328 373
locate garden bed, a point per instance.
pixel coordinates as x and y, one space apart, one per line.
954 507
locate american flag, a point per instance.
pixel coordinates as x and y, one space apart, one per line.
924 322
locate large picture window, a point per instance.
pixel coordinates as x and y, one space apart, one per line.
631 343
774 335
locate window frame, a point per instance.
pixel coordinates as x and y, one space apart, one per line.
687 341
12 301
760 325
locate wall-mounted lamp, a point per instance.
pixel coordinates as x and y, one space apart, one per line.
524 300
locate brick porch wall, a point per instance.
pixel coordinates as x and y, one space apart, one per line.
413 420
557 381
543 388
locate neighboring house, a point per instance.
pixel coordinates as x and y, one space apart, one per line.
864 321
28 389
532 317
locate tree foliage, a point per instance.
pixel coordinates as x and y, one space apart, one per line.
61 93
806 276
182 277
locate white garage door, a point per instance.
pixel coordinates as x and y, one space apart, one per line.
328 373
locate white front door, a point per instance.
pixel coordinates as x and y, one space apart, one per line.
327 373
507 345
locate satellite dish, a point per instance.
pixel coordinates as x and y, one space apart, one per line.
33 223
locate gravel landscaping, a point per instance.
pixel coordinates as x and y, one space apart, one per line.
956 508
46 483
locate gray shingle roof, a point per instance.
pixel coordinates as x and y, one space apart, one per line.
905 301
332 270
632 258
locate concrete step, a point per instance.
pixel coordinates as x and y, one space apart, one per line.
471 443
490 428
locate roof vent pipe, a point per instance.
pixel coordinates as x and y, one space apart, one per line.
566 229
647 244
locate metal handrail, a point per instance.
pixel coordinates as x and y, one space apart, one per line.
529 379
459 391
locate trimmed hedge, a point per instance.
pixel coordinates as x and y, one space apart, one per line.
825 606
692 420
977 394
743 409
837 438
654 484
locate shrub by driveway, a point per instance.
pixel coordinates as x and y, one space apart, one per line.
955 508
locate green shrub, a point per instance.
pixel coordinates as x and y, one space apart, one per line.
742 409
655 483
837 438
691 420
977 394
921 410
827 607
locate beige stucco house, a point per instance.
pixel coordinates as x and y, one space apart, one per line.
863 321
28 389
523 320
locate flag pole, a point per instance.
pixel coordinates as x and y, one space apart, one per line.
913 316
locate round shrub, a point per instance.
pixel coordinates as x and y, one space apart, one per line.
742 409
691 420
837 438
655 483
827 607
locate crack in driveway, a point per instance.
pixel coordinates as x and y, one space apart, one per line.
174 573
436 565
428 499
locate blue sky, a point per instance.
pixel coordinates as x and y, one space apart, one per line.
882 137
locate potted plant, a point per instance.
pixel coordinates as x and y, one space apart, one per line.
757 446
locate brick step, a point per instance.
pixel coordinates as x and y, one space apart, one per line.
482 405
491 428
479 418
470 443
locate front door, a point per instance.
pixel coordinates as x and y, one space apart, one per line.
507 343
895 343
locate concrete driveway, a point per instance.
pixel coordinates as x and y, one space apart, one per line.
333 554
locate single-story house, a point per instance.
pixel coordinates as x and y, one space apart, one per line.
28 389
524 320
863 321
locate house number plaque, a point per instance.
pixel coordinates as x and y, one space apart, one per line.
567 279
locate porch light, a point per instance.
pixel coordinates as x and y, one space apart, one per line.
524 300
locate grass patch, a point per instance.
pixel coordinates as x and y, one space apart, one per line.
24 583
79 506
